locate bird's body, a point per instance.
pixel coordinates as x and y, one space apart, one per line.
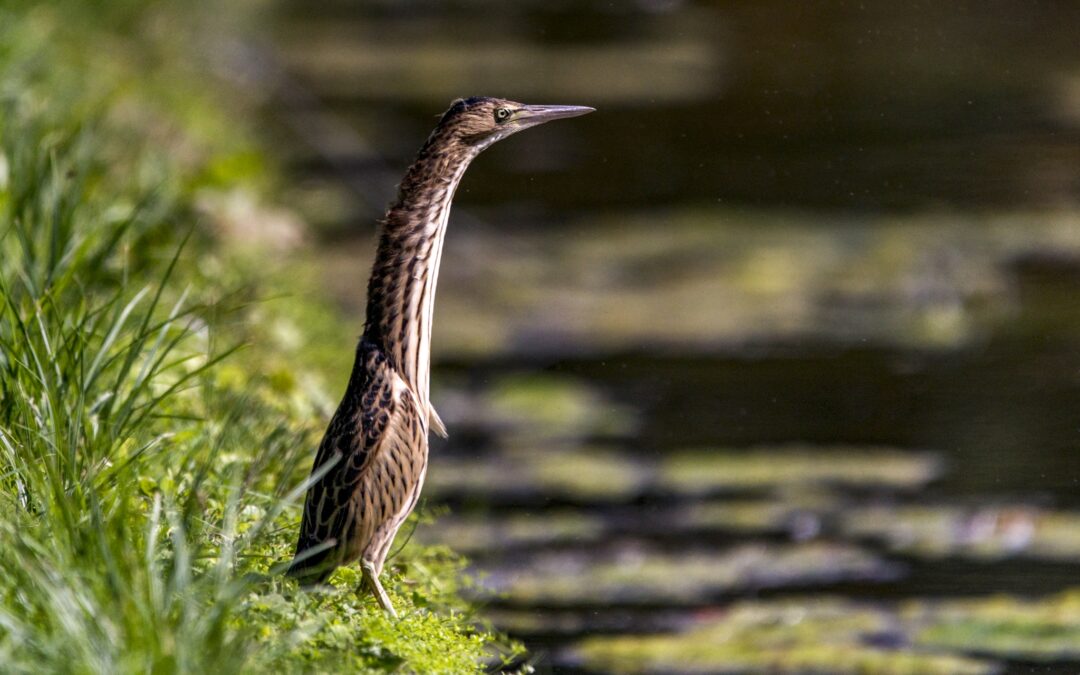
371 464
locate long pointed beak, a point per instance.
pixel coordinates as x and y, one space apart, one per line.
531 115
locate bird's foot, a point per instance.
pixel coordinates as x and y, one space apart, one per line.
376 588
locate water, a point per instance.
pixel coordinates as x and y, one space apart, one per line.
1000 414
844 106
837 241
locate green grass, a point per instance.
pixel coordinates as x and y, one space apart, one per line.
154 433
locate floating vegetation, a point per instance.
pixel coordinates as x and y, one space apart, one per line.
594 473
731 277
636 576
534 407
583 474
1047 629
820 635
715 470
798 515
570 622
835 635
520 529
985 532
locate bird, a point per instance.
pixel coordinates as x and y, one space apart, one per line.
370 466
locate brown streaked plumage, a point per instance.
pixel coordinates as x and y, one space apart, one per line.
373 458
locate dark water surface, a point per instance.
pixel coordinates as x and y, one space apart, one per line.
844 105
1004 414
1001 415
798 226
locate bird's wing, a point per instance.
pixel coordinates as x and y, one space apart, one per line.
366 420
436 423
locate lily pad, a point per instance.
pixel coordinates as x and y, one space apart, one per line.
636 576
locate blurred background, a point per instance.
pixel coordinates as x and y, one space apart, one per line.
771 362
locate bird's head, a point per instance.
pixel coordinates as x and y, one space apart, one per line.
480 121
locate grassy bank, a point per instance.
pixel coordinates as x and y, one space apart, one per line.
157 409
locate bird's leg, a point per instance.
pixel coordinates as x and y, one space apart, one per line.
376 588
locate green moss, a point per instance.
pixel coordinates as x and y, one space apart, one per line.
342 628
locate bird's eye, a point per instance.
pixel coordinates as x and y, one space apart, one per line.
502 114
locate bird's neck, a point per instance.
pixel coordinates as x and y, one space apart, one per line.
401 292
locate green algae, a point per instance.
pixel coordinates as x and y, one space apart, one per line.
1045 629
982 532
637 576
798 512
725 277
597 473
587 474
783 637
539 406
478 530
695 472
485 532
828 634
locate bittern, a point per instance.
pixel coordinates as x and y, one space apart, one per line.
372 461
